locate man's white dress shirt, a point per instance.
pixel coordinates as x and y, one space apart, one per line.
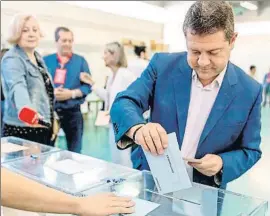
201 102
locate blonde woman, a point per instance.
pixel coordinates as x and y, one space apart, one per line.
120 78
26 81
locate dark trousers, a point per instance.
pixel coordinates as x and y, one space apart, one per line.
71 121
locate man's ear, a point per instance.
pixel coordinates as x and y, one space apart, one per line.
233 39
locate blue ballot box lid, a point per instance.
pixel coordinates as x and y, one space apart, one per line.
200 200
68 171
13 148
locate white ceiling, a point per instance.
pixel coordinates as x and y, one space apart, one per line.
263 6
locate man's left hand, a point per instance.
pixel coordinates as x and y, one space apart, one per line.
62 94
210 165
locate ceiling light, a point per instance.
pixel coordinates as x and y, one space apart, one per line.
249 5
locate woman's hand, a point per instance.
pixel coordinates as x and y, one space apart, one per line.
30 117
86 78
36 125
104 204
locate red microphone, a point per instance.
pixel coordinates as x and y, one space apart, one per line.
31 117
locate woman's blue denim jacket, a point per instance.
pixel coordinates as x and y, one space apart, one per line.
23 85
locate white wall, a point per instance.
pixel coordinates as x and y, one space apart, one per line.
92 28
252 46
173 34
253 50
251 16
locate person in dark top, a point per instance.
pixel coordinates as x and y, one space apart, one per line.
26 82
65 68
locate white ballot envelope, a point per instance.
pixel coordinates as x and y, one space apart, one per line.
143 207
103 119
169 170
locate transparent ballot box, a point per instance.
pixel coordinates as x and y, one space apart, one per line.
67 171
13 148
199 200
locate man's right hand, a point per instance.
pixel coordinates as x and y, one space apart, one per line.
152 137
62 94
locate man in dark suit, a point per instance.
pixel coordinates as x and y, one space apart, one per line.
212 105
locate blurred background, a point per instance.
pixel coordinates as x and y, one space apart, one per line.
158 26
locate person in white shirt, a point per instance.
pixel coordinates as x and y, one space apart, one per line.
119 80
138 65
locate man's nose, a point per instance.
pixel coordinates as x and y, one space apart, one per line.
203 60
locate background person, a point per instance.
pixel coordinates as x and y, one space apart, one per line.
120 79
26 81
65 68
138 65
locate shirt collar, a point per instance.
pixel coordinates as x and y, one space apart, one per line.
217 82
60 59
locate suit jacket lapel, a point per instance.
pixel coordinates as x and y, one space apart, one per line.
182 88
223 100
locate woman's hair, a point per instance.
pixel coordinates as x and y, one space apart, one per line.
118 50
16 26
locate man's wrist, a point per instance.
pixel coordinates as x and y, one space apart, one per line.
73 94
135 132
132 130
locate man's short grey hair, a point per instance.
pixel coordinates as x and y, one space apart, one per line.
208 17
